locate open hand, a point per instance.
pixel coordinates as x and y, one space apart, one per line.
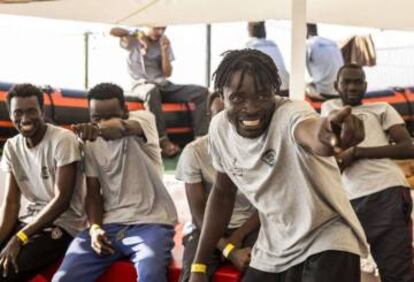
165 43
100 242
8 256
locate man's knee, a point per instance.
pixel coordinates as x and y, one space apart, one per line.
153 100
64 276
153 95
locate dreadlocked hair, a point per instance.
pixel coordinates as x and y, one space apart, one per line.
259 65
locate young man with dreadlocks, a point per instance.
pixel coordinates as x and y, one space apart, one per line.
277 152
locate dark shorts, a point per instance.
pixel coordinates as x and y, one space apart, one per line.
386 219
328 266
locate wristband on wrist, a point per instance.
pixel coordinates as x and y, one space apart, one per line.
22 237
228 249
198 268
93 228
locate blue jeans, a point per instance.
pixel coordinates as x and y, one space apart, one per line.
148 246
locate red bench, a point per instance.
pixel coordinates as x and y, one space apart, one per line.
124 271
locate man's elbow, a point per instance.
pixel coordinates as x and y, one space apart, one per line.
118 32
114 32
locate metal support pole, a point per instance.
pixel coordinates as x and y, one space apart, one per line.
86 63
208 54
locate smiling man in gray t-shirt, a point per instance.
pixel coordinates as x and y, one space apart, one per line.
277 153
41 164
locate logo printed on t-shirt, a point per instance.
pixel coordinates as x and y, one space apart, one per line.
56 233
269 157
45 172
236 171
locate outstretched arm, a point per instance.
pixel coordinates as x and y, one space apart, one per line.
115 128
119 32
330 135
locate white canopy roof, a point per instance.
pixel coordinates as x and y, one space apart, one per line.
387 14
397 14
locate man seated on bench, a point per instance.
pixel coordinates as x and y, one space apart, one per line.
195 168
149 65
376 186
130 212
41 163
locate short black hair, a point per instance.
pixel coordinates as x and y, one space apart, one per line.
349 66
106 91
257 29
25 90
258 64
312 29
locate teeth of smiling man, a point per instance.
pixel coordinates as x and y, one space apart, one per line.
27 127
251 122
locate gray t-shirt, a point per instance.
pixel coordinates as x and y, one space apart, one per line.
323 60
35 172
367 176
302 206
130 178
146 67
194 166
271 49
